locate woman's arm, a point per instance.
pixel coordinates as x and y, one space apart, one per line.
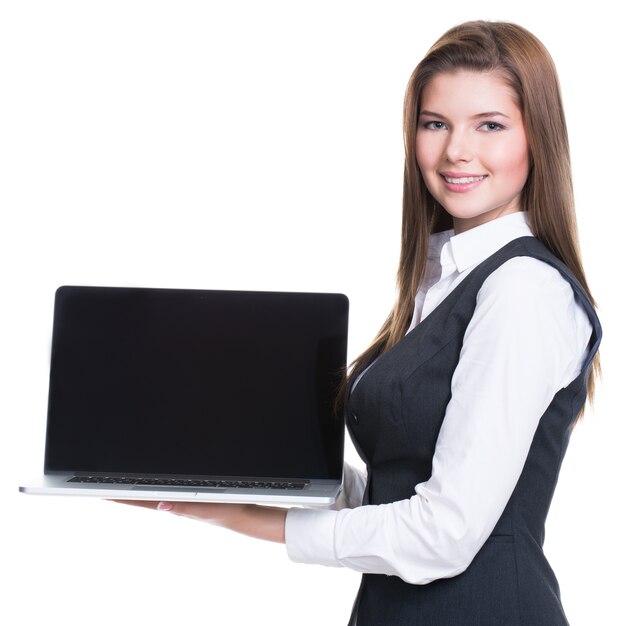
506 377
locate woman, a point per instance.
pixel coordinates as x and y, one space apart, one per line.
462 406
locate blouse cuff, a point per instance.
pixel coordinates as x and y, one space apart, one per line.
309 536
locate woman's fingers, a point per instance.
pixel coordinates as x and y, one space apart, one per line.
146 504
204 511
262 522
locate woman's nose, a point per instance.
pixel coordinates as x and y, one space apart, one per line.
459 147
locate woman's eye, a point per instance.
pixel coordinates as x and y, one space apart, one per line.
434 125
491 126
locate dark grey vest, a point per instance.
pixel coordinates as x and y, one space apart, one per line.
394 415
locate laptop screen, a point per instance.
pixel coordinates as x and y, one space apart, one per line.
195 383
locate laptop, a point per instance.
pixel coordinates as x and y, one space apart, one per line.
195 395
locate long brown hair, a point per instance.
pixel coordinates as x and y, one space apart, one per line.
525 64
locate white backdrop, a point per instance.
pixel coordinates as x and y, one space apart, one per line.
252 145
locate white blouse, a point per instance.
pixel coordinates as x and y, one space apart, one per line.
527 339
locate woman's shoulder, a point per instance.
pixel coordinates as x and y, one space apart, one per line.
530 274
526 285
527 300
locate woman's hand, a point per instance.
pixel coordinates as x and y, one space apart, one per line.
261 522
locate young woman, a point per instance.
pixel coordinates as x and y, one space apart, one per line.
462 406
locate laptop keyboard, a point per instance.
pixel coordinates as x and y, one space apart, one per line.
190 482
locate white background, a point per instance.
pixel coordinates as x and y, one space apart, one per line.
253 145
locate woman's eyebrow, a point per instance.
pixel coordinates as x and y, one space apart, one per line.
477 116
490 114
432 114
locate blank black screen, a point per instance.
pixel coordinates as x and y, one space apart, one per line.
191 382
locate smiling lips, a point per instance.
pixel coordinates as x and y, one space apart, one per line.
461 182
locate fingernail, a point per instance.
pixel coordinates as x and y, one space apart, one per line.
165 506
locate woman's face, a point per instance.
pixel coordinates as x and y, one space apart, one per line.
471 146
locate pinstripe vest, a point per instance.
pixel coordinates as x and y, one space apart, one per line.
394 415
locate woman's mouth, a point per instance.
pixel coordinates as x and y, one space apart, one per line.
462 183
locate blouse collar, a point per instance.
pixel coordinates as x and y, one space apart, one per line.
476 244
